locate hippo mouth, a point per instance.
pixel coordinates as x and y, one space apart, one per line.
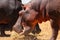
17 27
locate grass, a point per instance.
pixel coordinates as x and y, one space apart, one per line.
44 35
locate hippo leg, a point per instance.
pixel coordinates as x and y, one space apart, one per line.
2 30
55 29
36 29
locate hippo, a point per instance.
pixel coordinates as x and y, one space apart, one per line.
38 11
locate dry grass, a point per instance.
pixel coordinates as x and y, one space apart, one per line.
44 35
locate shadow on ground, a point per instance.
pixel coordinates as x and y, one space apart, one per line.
5 35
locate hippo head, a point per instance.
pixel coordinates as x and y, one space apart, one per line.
26 20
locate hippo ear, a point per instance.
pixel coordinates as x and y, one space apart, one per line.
21 12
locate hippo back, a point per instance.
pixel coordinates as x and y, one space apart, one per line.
9 10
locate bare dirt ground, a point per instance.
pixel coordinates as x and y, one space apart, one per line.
44 35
